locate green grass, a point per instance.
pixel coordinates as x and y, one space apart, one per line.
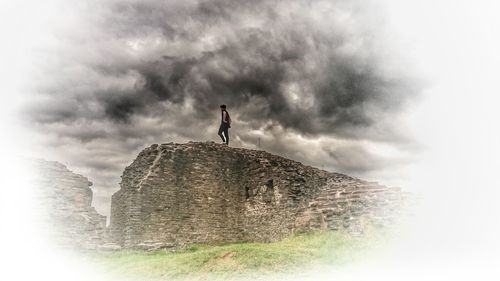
250 260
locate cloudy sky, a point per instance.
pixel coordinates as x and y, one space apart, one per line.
315 81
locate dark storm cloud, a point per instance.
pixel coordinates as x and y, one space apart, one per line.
285 48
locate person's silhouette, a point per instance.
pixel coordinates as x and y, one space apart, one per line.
225 124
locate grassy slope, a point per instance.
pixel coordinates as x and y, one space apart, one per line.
199 262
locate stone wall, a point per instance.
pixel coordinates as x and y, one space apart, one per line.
176 194
64 207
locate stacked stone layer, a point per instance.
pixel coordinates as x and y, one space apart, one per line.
176 194
64 207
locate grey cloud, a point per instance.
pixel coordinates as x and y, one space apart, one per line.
246 64
353 159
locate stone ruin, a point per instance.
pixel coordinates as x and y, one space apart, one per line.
64 207
203 192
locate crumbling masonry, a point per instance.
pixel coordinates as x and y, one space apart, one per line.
203 192
64 207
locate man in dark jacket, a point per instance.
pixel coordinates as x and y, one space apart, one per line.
225 124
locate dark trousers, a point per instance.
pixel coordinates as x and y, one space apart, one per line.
224 128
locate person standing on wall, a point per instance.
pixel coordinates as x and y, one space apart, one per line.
225 124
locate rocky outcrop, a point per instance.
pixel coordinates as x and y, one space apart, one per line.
176 194
64 207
